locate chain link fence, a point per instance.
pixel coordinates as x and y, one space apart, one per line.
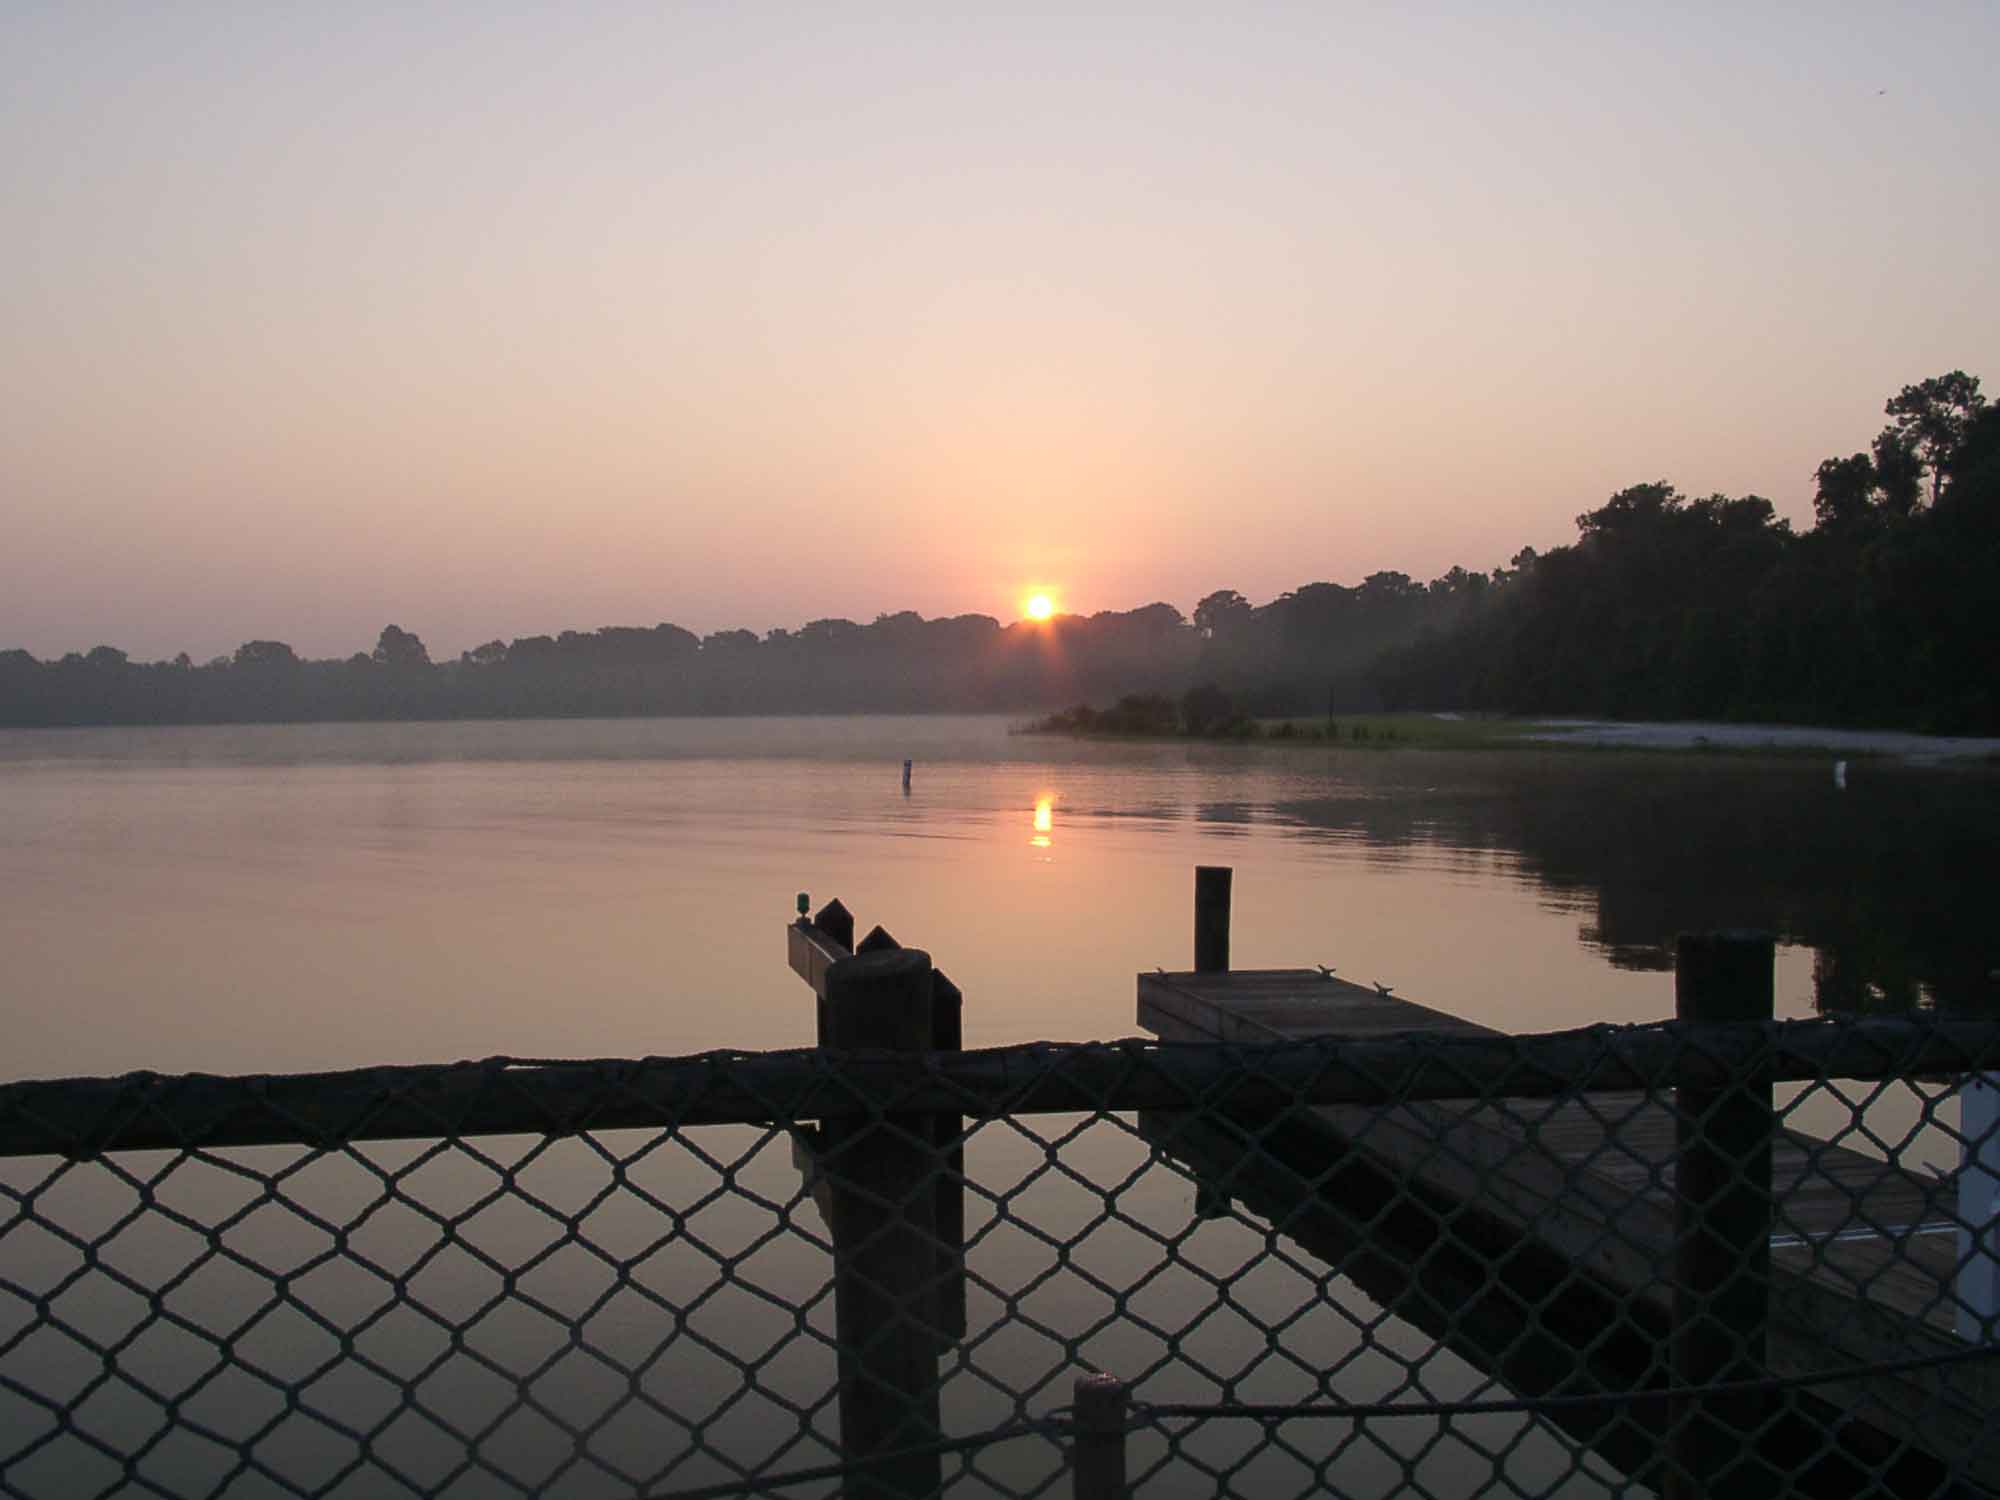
1415 1265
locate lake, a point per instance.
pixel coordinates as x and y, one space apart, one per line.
313 896
307 897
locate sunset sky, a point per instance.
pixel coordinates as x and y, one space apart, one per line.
491 320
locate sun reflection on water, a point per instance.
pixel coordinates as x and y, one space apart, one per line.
1044 822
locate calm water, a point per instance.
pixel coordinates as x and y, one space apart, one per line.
307 897
316 896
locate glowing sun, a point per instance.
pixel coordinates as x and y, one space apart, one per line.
1040 606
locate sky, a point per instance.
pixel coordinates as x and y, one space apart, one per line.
494 320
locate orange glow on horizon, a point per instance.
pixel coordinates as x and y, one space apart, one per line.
1040 606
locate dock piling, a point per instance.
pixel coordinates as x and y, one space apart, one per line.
1722 1227
1211 918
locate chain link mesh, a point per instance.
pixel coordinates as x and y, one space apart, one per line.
1306 1291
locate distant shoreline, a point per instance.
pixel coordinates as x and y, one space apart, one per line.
1364 732
1896 744
1448 731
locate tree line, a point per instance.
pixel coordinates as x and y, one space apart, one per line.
1883 612
1319 635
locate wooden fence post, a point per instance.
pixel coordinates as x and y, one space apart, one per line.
1722 1228
1097 1461
812 947
884 1233
1979 1207
948 1035
1211 919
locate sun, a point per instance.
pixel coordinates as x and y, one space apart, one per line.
1040 606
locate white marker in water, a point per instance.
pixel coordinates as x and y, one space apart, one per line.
1839 774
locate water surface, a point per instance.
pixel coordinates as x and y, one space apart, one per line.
309 897
313 896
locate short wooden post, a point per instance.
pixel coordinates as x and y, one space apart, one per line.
884 1232
837 922
879 937
1722 1227
1211 919
1097 1466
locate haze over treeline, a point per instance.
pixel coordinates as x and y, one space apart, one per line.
1883 612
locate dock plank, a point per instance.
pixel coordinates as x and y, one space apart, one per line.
1267 1004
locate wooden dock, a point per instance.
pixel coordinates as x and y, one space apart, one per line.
1863 1262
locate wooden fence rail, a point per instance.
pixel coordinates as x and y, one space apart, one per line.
81 1117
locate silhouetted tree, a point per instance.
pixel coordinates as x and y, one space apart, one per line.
400 649
1206 708
1973 476
1933 416
1670 606
1899 474
1221 614
266 656
1844 491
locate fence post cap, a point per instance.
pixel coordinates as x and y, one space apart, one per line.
1100 1400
